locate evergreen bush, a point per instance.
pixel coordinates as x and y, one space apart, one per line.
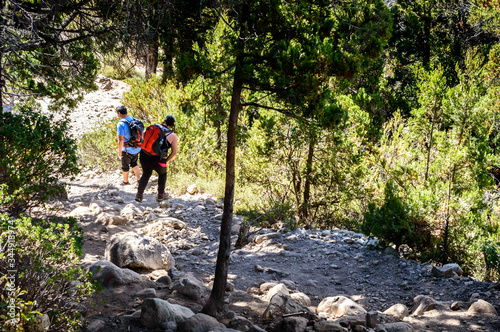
39 277
36 153
389 222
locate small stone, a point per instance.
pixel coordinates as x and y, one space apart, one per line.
455 306
259 268
371 318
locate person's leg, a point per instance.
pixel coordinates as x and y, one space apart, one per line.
135 167
125 166
147 170
162 180
137 172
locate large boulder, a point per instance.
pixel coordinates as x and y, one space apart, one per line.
282 304
201 323
294 324
301 298
446 271
483 308
190 287
240 324
138 251
108 274
156 311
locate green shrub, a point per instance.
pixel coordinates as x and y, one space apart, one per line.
36 152
39 276
395 223
389 222
491 256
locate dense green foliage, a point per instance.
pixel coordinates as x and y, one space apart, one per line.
36 153
392 222
41 280
401 146
381 120
429 33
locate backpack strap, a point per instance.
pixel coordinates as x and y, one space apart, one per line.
168 134
128 123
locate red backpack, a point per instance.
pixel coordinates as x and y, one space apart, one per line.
155 141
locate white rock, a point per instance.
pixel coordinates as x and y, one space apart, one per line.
340 306
398 311
111 219
192 189
138 251
301 298
130 211
276 289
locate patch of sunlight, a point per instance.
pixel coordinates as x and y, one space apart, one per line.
240 304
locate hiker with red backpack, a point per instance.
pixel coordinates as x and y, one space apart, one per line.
129 142
158 140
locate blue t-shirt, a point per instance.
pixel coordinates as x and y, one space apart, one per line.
123 130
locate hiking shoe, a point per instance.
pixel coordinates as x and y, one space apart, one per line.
138 197
160 197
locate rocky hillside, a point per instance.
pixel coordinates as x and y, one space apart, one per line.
158 259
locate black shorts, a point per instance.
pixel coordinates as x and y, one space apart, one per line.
129 161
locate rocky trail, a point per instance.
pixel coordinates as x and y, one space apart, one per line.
281 280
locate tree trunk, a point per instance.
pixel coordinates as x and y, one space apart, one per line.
304 209
151 58
216 299
219 115
429 149
168 67
427 38
1 57
444 257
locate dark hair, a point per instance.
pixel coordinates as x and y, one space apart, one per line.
170 121
121 109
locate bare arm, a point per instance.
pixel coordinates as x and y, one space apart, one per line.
172 139
121 141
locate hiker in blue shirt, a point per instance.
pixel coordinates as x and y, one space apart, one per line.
127 154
